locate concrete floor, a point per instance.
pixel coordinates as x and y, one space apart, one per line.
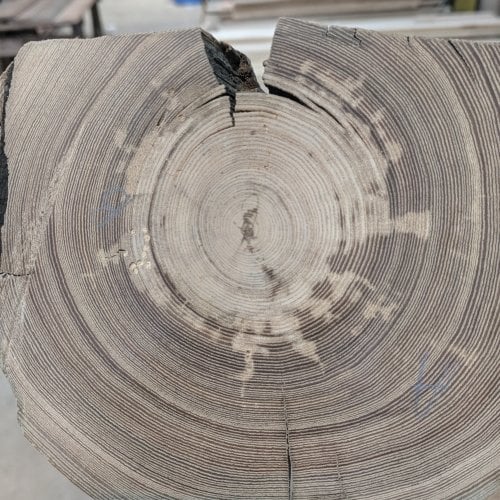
25 474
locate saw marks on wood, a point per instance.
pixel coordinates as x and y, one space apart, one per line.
213 291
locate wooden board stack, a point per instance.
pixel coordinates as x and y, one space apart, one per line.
254 9
44 12
209 291
254 38
23 21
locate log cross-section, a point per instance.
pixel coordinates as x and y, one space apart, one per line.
213 290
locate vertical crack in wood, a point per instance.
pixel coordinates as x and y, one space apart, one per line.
460 55
4 164
288 454
356 37
339 477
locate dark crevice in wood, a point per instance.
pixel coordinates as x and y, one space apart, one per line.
460 55
283 93
10 275
356 37
4 164
160 119
231 68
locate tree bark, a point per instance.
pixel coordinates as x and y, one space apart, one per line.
210 291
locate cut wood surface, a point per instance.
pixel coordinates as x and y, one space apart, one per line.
211 291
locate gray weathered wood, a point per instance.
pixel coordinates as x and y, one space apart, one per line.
209 291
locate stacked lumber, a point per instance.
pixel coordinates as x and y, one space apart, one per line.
44 12
23 21
254 38
209 291
13 8
253 9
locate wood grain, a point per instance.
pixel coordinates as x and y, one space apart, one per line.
210 291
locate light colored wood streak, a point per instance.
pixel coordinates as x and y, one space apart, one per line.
209 291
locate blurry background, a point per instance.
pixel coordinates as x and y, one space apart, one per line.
248 25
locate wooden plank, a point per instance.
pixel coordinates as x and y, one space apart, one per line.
44 11
254 9
24 25
48 15
74 11
11 8
244 35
